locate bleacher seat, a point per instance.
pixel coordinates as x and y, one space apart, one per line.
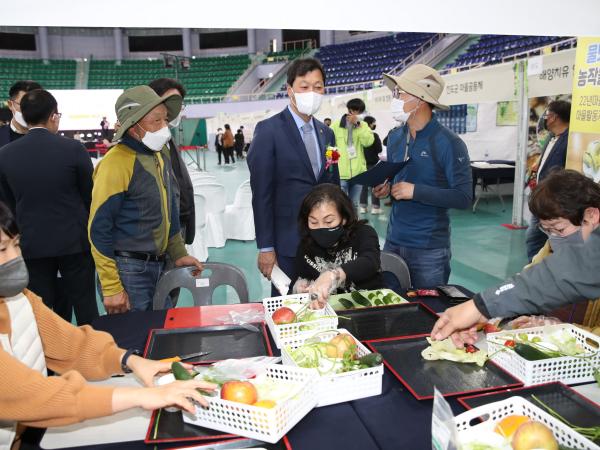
492 48
365 61
207 77
57 74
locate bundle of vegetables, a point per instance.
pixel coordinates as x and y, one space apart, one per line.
338 355
446 350
366 299
296 311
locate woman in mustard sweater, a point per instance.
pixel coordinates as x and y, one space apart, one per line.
33 338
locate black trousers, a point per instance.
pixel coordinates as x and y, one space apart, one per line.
219 152
228 154
74 290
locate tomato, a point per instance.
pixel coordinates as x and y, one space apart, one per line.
510 343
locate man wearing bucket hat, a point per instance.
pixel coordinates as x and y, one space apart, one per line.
438 177
134 217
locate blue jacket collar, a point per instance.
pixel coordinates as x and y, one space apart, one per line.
136 145
432 126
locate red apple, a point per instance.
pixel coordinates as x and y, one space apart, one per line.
239 391
283 315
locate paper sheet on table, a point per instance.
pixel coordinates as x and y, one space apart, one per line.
280 280
130 425
380 172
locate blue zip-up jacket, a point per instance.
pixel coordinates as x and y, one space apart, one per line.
441 172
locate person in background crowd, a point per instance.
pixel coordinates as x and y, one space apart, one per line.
228 144
17 126
371 157
438 177
128 247
568 207
286 160
35 339
553 155
46 181
247 138
239 144
327 121
219 143
338 252
184 191
352 135
104 126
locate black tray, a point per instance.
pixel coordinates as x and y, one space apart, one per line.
283 444
406 319
565 401
223 342
172 428
402 356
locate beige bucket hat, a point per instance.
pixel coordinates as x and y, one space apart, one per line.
421 81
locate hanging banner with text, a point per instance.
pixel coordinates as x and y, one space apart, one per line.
583 152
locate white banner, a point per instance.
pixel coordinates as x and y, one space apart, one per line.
556 75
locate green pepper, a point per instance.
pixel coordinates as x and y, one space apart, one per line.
371 360
360 299
346 303
529 352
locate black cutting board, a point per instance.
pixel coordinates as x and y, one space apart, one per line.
565 401
407 319
223 342
403 357
172 428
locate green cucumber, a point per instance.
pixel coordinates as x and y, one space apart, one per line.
529 352
371 360
346 303
378 302
181 373
360 299
388 299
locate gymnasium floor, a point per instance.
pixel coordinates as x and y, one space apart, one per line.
483 251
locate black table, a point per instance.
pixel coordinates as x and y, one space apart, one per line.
393 420
497 172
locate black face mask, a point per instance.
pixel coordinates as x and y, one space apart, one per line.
373 127
327 237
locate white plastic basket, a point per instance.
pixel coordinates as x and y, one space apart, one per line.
467 424
567 369
282 334
341 387
265 424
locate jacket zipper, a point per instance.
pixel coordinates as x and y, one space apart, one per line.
163 195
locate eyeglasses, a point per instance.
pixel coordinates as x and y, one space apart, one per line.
558 232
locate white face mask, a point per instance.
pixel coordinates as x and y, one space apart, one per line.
176 121
397 110
361 116
308 102
19 119
156 140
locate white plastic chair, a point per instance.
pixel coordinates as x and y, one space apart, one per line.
202 176
198 248
214 196
239 217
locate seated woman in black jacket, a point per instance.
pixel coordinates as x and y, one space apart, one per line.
337 252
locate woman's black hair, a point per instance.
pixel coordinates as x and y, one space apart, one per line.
8 225
324 193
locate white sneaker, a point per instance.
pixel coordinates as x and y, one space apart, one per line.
362 210
376 211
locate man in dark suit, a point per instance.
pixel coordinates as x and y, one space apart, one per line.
17 127
553 156
46 181
286 160
184 189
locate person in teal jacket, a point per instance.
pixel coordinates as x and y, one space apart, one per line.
352 135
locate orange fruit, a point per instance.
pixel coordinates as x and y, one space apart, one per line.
239 391
507 426
265 404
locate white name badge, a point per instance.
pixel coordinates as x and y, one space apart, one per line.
351 152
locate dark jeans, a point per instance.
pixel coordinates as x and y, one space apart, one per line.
139 278
74 290
428 267
219 152
535 238
364 197
228 155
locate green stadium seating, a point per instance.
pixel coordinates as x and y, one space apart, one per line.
57 74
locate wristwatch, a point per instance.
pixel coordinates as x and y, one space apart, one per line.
125 357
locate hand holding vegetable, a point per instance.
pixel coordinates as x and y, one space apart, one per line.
458 319
323 286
